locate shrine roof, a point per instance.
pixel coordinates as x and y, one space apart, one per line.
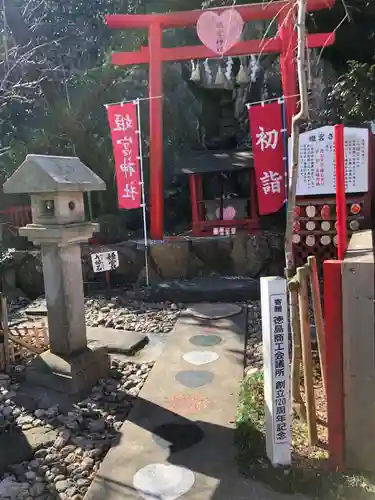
199 162
48 174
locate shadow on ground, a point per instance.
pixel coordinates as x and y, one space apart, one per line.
205 460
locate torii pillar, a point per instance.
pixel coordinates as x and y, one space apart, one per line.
285 43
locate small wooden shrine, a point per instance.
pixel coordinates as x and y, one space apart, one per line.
222 191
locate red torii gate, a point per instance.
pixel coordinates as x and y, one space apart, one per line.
155 54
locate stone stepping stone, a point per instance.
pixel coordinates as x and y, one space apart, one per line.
206 340
187 404
194 379
37 308
116 341
199 358
163 481
213 311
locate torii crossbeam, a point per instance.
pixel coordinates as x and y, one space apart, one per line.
155 54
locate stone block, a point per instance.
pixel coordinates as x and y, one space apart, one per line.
358 294
71 375
250 254
214 252
196 266
115 341
131 261
258 254
239 255
171 258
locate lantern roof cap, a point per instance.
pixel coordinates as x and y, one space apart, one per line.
48 174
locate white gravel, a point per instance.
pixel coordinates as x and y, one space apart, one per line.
66 469
123 312
134 315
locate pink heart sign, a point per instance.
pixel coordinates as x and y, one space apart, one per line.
229 213
219 32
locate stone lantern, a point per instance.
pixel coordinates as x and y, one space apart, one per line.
56 185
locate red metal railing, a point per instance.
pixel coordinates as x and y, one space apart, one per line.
17 216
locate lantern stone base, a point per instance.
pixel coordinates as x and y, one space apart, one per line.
71 375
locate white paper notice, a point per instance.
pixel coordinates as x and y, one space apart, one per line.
317 173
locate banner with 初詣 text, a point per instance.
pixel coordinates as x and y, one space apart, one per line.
266 127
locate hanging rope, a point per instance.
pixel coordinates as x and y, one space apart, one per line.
272 99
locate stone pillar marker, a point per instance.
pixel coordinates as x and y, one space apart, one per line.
276 369
56 185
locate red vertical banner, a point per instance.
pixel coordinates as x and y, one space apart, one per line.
266 127
125 139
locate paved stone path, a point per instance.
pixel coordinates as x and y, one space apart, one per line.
179 439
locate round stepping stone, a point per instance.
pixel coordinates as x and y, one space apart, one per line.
187 404
194 379
177 437
205 340
199 358
213 311
163 482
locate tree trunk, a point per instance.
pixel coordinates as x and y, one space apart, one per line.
289 258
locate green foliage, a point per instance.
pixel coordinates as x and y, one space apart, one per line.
304 477
353 96
58 106
58 76
52 102
353 22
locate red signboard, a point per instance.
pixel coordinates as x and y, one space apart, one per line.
125 139
268 151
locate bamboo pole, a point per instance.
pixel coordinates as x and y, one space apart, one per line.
297 401
5 327
318 315
37 340
303 301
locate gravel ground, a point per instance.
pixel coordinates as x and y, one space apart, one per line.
66 469
135 315
121 312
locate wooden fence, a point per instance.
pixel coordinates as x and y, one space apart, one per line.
305 280
19 342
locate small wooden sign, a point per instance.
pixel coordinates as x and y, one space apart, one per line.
104 261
